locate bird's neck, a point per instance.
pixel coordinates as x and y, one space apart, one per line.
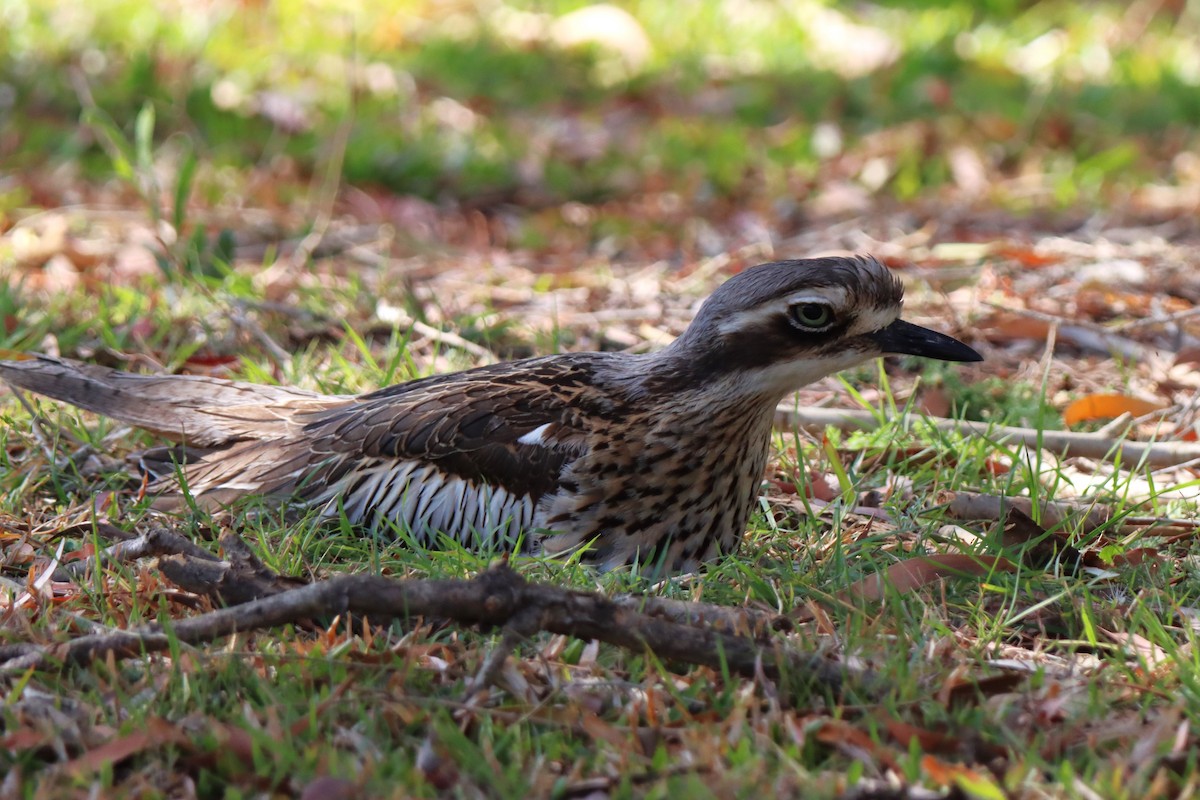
682 370
675 378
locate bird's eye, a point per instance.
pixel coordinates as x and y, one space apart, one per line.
815 316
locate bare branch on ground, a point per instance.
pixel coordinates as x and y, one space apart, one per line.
154 542
1052 513
495 598
1067 443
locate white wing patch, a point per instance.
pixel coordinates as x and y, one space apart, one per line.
427 502
536 436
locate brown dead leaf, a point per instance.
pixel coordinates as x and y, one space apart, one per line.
208 362
329 788
929 741
966 691
157 732
23 739
1188 355
822 486
1041 550
844 736
1151 557
1015 328
921 571
972 782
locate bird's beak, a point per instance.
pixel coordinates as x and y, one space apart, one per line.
904 338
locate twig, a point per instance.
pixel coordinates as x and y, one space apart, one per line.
245 322
493 598
1087 445
1087 335
402 319
1145 322
979 505
154 542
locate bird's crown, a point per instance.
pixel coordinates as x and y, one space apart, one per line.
816 295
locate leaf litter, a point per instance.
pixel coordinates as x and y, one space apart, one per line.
622 304
1096 315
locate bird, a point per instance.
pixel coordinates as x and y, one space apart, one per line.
653 459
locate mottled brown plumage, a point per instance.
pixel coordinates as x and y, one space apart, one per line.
652 458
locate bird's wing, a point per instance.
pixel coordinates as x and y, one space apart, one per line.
511 426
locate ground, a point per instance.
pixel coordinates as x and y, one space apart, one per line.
343 196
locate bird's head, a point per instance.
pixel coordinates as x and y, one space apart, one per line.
779 326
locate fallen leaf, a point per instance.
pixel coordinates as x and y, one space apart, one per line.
929 741
1106 406
973 783
329 788
964 692
934 401
1025 256
156 732
922 570
844 736
1039 549
25 739
1013 327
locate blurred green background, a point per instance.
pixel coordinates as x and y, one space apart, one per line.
1026 104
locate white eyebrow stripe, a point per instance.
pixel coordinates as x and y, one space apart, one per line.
836 297
831 295
870 320
747 320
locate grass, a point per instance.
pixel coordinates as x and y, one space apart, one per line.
1043 681
273 711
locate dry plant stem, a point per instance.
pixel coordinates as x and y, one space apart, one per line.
493 598
1066 443
326 192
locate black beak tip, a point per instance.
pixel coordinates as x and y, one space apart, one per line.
904 338
969 354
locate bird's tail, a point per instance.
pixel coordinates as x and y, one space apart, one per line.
197 410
